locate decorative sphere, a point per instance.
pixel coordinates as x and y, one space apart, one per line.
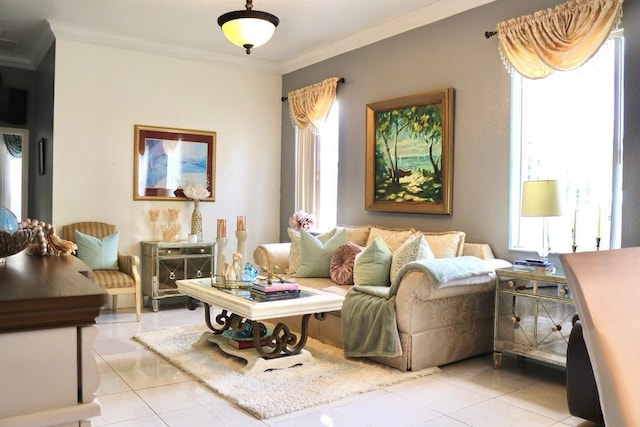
8 221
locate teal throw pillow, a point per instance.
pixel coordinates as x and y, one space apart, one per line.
415 248
373 264
315 255
98 254
294 251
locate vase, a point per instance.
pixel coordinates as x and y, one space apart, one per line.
196 220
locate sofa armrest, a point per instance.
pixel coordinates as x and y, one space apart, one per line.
272 254
480 250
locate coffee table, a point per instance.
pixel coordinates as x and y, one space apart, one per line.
280 348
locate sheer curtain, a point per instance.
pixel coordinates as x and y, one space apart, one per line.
309 107
11 173
562 38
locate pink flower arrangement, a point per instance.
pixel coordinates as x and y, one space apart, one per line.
301 219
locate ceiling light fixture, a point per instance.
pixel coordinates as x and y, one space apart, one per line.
248 28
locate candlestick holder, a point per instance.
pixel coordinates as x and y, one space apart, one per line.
597 243
221 243
241 236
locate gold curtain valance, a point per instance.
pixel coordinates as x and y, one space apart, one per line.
562 38
310 105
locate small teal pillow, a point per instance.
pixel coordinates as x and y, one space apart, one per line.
315 255
98 254
373 265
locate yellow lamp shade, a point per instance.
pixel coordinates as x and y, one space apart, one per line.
541 198
251 32
248 28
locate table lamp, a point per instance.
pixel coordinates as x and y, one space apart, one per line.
541 199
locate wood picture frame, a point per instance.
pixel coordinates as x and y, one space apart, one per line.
166 160
409 154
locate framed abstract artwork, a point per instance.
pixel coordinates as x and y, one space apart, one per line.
409 154
166 160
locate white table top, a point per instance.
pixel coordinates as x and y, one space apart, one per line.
310 300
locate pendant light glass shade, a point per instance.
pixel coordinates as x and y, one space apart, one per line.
248 28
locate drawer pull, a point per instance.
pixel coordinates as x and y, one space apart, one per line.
516 321
201 250
511 284
556 328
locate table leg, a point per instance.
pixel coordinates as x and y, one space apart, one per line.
282 342
497 359
225 319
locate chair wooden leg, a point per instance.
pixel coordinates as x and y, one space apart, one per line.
138 298
114 302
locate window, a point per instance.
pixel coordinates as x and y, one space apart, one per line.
317 171
568 126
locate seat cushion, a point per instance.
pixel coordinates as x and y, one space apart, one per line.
112 279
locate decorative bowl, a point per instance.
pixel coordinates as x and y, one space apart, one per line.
11 244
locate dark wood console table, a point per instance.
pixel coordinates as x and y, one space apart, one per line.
48 307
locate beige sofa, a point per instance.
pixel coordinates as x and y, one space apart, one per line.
436 324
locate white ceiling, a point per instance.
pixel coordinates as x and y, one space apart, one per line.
309 30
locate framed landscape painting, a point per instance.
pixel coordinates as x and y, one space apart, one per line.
166 160
409 154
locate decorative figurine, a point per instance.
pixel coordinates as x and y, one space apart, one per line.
272 274
232 271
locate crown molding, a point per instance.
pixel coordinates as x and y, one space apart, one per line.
435 12
31 60
83 35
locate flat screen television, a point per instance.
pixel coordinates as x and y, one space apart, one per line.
13 106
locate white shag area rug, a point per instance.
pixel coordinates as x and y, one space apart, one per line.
272 393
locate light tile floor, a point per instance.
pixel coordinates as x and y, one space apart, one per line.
138 388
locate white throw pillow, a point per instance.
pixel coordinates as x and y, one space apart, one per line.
393 237
415 248
446 244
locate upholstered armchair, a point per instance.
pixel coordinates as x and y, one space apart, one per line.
122 277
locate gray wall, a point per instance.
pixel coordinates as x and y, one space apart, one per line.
449 53
631 180
41 186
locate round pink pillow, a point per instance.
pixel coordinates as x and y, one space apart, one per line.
341 265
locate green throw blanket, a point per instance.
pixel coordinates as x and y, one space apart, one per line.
369 325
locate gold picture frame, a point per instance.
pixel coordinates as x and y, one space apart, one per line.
166 160
409 154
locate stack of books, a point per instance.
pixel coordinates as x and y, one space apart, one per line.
274 291
541 265
240 343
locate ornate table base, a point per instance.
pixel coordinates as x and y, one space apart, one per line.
255 362
280 349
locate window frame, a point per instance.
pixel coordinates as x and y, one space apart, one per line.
516 163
